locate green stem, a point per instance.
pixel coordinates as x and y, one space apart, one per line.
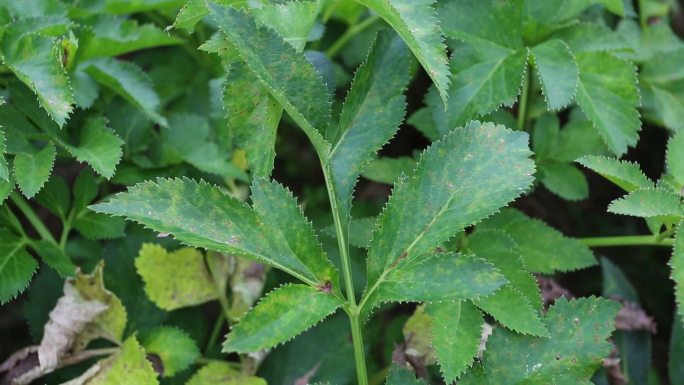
31 216
350 33
352 309
628 240
524 95
215 332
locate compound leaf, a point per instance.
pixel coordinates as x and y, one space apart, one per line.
455 328
608 95
16 266
128 81
33 170
176 350
205 216
371 115
625 174
280 316
578 329
648 202
462 179
557 72
175 279
417 24
543 249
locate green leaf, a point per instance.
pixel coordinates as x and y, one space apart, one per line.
455 328
485 77
177 279
287 75
677 266
662 77
220 223
360 231
114 36
217 372
557 72
36 61
33 170
518 303
564 180
437 277
98 146
488 22
371 114
176 350
16 266
388 170
469 175
4 170
54 257
98 226
590 37
55 196
543 249
194 11
402 376
292 20
128 366
278 211
128 81
579 330
625 174
608 95
85 190
417 24
648 202
280 316
675 157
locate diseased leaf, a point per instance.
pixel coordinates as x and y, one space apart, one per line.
579 330
417 336
648 202
128 81
33 170
287 75
625 174
543 249
219 222
459 181
36 60
221 372
371 115
608 95
564 180
176 279
417 24
280 316
438 277
16 266
456 328
388 170
277 209
176 350
518 303
557 71
675 157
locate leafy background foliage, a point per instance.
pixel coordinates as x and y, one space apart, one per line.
194 192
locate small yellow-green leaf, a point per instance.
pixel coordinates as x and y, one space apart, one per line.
176 350
222 373
128 366
176 279
280 316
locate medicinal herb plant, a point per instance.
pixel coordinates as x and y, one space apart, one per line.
145 214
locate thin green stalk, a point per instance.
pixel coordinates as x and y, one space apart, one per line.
32 217
628 240
524 95
350 33
359 353
215 332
